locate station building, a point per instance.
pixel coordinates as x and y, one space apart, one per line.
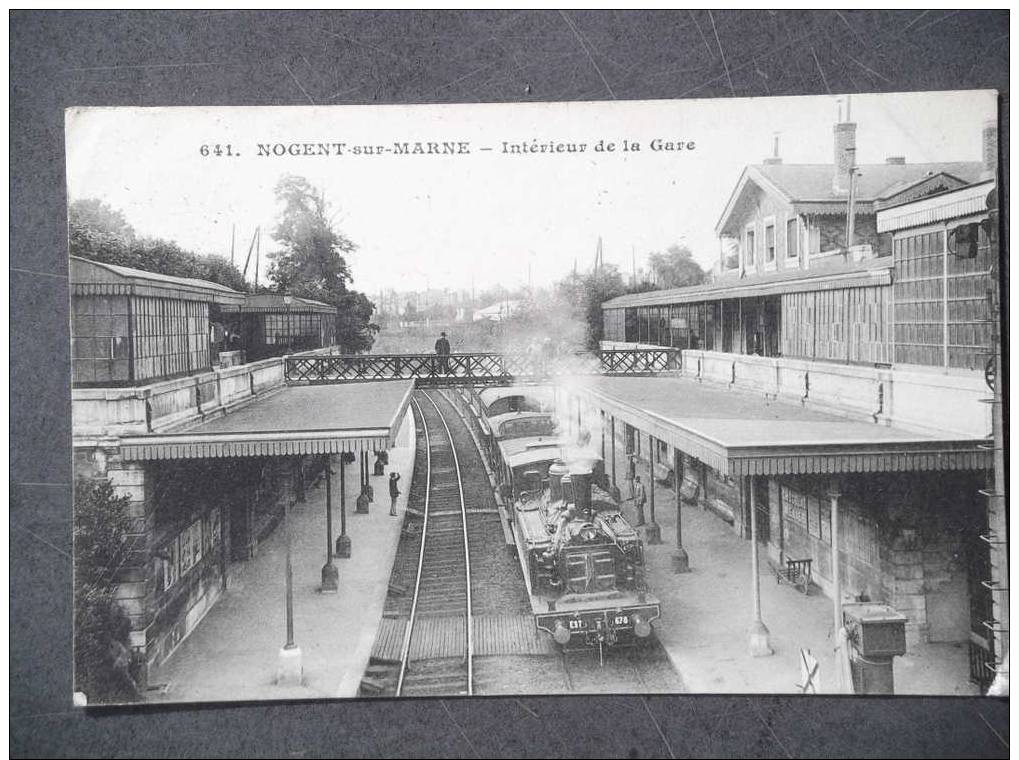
209 447
818 375
270 324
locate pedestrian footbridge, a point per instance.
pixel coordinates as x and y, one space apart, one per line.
432 370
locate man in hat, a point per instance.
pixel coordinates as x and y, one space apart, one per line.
442 349
639 499
394 491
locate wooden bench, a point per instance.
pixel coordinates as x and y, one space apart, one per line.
796 572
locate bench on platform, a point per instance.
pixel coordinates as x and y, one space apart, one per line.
796 572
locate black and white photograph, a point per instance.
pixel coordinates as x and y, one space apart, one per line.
662 396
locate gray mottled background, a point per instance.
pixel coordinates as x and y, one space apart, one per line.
145 58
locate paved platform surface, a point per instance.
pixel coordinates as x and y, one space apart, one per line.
232 654
347 406
706 614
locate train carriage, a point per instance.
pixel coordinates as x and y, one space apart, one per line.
583 563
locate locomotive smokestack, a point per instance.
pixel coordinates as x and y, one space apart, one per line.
581 475
556 471
582 490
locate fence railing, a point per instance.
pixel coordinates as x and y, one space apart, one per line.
481 368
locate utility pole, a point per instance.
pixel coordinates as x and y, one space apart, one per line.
258 252
233 236
851 203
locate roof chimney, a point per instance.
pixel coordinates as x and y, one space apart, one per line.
845 144
896 160
990 145
774 158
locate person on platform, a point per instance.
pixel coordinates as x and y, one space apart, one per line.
442 349
394 491
639 499
631 471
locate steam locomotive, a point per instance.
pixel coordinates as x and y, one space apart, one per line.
583 563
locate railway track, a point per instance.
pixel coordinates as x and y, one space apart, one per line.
442 586
457 620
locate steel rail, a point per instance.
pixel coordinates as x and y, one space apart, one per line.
408 634
405 648
469 619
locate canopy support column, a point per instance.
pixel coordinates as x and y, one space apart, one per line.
758 634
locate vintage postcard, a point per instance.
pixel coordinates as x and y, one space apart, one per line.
659 396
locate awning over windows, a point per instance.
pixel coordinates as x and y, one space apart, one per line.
831 276
743 434
314 419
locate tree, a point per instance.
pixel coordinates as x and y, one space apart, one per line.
355 332
98 232
310 261
675 268
587 292
102 547
92 213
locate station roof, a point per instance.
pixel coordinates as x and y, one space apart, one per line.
823 275
739 433
808 187
963 201
97 278
274 302
296 420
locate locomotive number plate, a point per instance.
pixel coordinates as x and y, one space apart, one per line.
621 620
576 625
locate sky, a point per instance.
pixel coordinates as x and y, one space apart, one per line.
484 217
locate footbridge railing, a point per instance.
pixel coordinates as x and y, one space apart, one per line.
432 370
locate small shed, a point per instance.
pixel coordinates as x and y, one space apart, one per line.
273 324
130 326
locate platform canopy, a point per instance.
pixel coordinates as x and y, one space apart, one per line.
295 420
739 433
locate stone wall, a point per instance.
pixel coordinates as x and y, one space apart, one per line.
901 397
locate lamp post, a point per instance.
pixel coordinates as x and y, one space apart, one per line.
680 559
330 573
289 670
287 300
652 531
343 540
758 633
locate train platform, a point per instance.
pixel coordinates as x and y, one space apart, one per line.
234 652
706 614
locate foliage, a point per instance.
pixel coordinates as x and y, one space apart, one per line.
311 261
94 214
102 547
586 292
101 233
355 332
675 268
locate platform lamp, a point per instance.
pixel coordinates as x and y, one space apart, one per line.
343 540
289 670
330 573
287 301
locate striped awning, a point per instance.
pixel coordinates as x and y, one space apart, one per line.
966 201
738 434
854 275
299 420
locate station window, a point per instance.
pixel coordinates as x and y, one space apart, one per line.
792 238
748 254
769 244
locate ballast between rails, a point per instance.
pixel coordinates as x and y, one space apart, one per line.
468 618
